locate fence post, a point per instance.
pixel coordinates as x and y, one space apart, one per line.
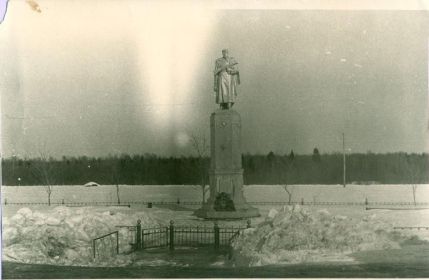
139 235
62 201
249 223
93 247
5 201
171 235
302 201
216 235
366 201
166 236
117 242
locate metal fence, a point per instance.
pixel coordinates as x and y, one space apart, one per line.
153 238
183 235
412 228
193 236
106 245
198 203
170 236
70 204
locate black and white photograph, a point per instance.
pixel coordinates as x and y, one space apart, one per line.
218 139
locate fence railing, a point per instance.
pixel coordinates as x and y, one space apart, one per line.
172 236
107 244
153 238
197 203
92 203
412 228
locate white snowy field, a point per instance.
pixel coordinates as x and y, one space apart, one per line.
259 193
62 235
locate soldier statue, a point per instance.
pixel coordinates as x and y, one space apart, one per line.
226 80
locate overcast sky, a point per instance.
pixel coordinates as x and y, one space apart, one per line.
131 77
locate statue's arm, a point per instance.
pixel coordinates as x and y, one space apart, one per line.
219 68
232 67
232 70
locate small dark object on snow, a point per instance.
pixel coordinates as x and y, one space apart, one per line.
92 184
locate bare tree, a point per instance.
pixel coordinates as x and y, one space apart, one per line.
414 188
289 192
414 173
287 164
200 145
115 178
43 171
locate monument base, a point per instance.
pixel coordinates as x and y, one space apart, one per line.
226 199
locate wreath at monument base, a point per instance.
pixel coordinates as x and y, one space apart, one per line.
223 202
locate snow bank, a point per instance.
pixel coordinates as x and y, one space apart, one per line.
63 236
297 235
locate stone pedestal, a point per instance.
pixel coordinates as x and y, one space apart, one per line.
226 172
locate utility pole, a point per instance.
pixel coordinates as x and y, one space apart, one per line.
344 162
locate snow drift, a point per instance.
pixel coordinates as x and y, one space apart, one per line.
63 236
297 235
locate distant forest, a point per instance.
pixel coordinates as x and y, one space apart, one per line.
149 169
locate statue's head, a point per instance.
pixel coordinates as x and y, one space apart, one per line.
225 53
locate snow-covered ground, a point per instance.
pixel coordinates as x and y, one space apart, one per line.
62 235
295 234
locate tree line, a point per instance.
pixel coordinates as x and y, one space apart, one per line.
150 169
